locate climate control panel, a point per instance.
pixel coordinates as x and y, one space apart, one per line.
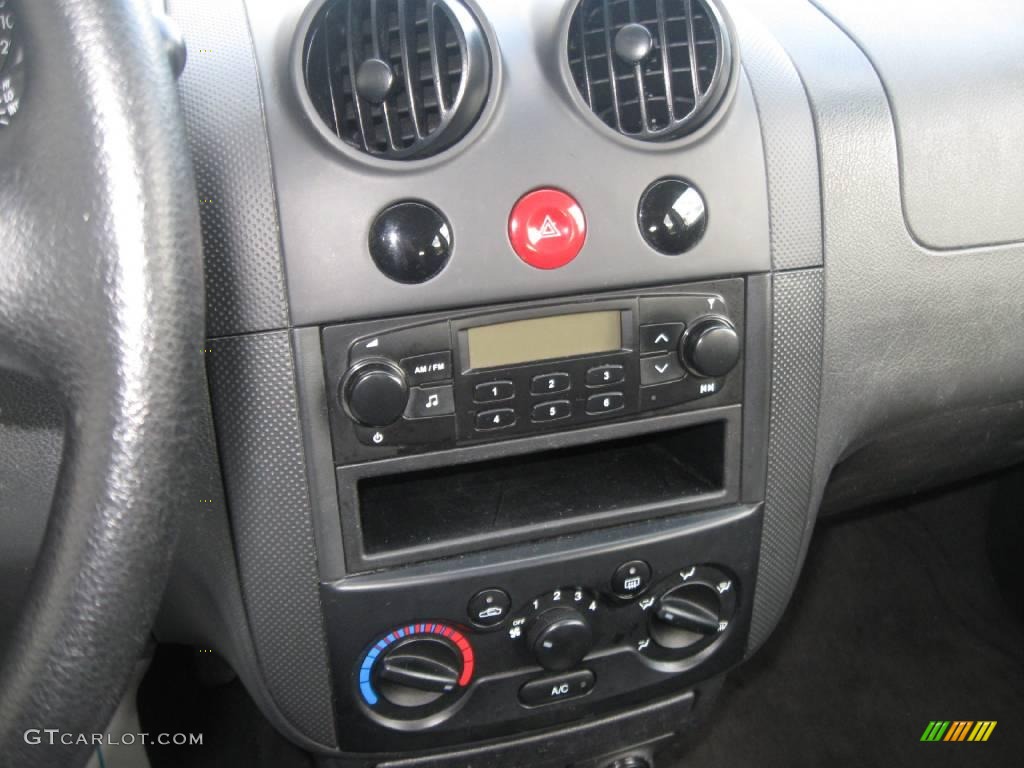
434 654
422 384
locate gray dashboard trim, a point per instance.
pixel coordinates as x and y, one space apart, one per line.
536 137
203 606
959 184
797 327
790 146
223 108
907 331
253 392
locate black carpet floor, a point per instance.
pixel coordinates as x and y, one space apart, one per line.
897 621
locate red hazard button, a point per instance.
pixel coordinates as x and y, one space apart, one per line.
547 228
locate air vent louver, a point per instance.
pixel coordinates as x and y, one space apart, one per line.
650 69
401 79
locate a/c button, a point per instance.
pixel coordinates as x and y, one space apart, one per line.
549 690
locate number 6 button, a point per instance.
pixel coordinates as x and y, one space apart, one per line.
605 403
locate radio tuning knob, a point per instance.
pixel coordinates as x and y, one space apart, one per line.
374 393
711 348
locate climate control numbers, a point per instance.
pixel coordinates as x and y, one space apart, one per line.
581 598
685 614
557 628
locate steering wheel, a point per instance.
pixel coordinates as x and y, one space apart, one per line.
101 296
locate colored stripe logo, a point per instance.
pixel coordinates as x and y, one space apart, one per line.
958 730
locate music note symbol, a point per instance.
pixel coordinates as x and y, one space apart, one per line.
432 401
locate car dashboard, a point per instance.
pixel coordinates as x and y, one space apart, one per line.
540 332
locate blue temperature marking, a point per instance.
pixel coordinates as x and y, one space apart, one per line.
366 668
368 694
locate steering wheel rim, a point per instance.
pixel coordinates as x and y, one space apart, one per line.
102 297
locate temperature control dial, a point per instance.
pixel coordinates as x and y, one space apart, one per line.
416 670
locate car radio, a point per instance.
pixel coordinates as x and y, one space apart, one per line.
406 386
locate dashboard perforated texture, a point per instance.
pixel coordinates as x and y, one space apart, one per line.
790 146
798 326
252 383
220 96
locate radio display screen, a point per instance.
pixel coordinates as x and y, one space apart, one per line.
544 338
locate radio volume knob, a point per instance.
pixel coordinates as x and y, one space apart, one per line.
375 393
711 348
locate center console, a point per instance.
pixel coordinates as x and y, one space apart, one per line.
490 368
542 510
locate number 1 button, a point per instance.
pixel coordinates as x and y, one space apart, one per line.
493 391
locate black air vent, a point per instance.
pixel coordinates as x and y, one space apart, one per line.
650 69
401 79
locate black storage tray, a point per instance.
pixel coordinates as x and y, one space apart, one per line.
535 490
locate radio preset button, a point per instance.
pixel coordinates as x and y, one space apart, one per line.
550 383
657 370
493 391
427 403
552 411
601 375
605 403
499 418
423 369
660 337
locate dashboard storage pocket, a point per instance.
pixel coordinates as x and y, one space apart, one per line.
468 506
